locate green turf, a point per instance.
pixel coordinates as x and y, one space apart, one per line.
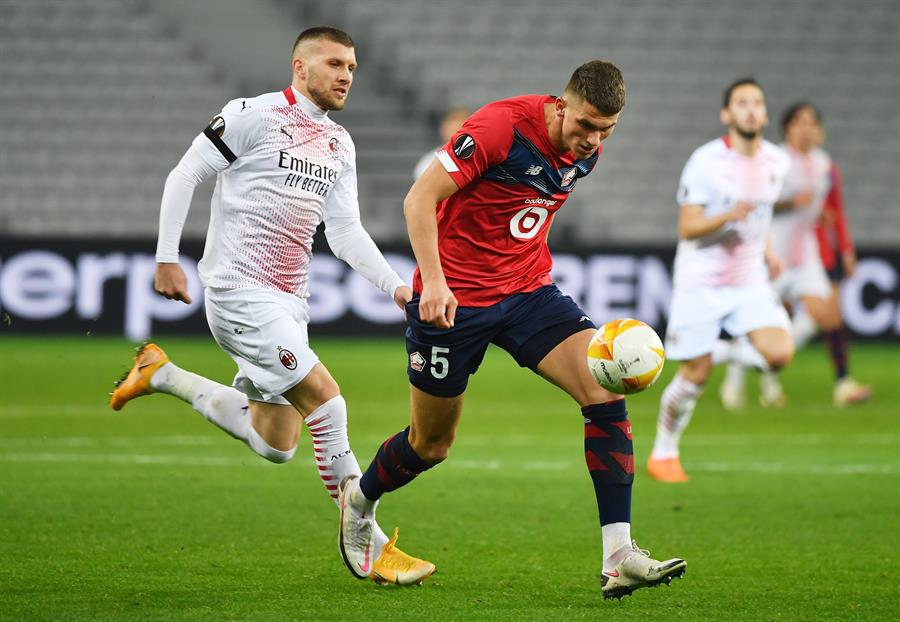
155 514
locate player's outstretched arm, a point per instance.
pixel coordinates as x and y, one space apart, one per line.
170 280
693 223
350 242
437 304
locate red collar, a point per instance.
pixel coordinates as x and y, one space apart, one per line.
289 96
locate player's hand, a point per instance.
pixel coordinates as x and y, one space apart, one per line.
171 282
437 306
849 259
740 211
402 295
802 199
775 265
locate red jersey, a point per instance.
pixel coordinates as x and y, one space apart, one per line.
492 232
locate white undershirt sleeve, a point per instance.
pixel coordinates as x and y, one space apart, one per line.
176 200
348 239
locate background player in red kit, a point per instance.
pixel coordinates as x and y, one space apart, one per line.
478 220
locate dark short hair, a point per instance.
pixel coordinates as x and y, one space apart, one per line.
726 96
796 108
324 32
600 84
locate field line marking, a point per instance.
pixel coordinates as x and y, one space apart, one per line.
773 468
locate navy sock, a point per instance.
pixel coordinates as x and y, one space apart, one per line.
837 347
609 454
396 464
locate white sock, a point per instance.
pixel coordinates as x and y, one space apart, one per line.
675 410
739 351
748 356
721 352
226 407
327 425
803 328
616 536
734 375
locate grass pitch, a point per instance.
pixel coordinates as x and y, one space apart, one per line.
152 513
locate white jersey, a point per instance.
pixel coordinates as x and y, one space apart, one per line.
793 229
425 161
283 164
282 168
717 177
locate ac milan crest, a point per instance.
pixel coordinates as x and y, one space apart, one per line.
333 145
287 358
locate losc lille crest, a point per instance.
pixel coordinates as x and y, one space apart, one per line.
287 358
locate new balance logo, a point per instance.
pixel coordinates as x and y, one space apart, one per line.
534 170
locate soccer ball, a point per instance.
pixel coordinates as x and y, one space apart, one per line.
625 356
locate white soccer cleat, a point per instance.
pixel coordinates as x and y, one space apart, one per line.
732 391
636 570
357 534
848 391
770 391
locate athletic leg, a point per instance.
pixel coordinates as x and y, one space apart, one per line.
609 454
826 312
675 411
225 407
440 362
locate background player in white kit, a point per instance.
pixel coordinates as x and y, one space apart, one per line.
450 123
804 281
283 168
722 266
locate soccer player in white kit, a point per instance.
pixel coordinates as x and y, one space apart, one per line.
804 280
722 265
283 167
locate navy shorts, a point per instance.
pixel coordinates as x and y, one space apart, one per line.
528 326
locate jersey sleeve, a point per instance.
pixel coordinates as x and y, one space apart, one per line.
343 200
347 237
482 142
229 135
693 187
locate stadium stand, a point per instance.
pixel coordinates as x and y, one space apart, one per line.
677 57
132 81
99 101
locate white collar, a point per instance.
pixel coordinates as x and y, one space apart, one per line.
308 106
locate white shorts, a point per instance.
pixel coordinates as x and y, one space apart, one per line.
698 315
265 332
807 279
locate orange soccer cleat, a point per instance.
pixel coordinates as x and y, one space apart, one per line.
135 383
395 566
666 470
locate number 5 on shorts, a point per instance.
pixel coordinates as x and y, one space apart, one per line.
439 361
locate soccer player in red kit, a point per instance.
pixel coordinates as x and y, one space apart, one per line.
478 220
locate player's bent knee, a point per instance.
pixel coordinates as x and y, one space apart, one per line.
259 445
778 359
